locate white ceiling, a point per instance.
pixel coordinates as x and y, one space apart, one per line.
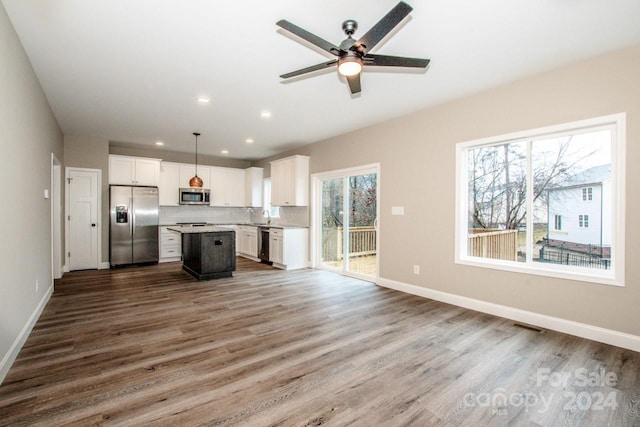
131 70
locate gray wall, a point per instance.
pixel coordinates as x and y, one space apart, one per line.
29 134
417 157
174 156
92 153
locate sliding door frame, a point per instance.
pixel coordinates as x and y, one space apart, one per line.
316 216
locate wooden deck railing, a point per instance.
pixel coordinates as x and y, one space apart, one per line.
495 244
362 241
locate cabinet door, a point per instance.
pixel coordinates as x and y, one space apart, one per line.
278 180
252 244
276 247
290 181
147 172
242 238
253 187
122 170
235 187
227 187
169 184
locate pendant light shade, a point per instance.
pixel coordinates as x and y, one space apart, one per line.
196 181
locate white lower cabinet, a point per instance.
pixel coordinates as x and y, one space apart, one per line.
170 245
248 241
288 247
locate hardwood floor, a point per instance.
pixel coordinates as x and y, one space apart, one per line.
151 345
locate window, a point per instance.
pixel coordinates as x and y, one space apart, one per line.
583 221
558 222
268 211
513 190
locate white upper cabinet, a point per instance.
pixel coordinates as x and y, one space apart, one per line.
227 187
168 194
188 171
253 187
125 170
290 181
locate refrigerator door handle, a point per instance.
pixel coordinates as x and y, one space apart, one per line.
132 216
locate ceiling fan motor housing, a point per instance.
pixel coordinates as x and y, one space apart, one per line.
349 26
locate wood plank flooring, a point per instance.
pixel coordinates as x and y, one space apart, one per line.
151 345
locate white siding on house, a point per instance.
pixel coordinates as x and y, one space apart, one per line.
570 205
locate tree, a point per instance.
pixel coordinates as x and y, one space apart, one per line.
498 178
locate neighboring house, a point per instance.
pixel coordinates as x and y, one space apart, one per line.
578 217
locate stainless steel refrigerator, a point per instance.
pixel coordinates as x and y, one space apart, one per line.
134 225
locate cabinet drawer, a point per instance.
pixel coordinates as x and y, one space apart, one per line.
170 251
278 232
170 239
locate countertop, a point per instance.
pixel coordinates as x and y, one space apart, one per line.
223 225
203 229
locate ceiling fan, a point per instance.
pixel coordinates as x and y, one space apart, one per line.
353 54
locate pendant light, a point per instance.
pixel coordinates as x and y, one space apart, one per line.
196 181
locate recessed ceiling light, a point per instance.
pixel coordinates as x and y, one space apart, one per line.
159 143
249 141
225 151
203 100
265 114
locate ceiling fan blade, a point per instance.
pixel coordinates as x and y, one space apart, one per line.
382 28
395 61
310 69
354 83
311 38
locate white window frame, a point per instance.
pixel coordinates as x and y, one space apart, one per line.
583 221
587 194
273 211
557 222
616 274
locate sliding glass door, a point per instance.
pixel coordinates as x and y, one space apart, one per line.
347 211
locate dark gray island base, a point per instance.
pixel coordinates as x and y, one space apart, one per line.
208 252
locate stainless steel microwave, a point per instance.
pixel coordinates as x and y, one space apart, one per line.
195 196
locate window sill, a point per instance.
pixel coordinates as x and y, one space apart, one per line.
552 270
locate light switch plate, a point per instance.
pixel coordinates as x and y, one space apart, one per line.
397 210
46 193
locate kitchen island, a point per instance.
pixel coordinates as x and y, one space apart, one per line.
208 252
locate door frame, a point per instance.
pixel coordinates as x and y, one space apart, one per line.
316 216
68 170
56 219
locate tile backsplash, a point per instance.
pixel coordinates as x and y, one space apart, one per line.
298 216
289 215
174 214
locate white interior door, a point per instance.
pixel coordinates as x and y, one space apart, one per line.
82 219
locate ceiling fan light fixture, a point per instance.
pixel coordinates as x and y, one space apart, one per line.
350 65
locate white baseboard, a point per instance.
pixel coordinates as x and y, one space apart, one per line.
583 330
10 356
104 266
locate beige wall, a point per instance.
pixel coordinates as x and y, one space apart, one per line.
29 134
92 153
417 157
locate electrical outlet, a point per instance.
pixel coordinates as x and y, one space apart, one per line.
416 269
37 286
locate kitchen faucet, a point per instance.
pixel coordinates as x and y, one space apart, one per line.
268 216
